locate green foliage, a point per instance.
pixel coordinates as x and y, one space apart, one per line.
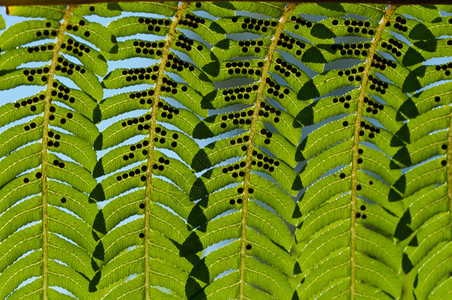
258 150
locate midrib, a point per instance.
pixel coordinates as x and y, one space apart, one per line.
388 13
449 167
158 85
249 156
48 101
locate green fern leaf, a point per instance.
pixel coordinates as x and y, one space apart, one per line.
125 102
14 58
337 246
323 9
79 101
217 9
55 12
99 9
428 13
235 212
26 32
18 136
271 151
156 228
167 8
425 229
132 25
57 250
271 9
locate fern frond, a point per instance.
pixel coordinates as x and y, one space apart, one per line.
348 217
271 150
262 171
156 226
426 186
59 248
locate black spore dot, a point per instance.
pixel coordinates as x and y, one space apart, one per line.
248 247
141 235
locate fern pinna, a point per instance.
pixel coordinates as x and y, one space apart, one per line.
425 228
325 169
249 190
351 240
165 183
359 235
46 194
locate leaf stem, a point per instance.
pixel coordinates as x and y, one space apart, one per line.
45 130
249 156
449 168
56 2
158 85
389 12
